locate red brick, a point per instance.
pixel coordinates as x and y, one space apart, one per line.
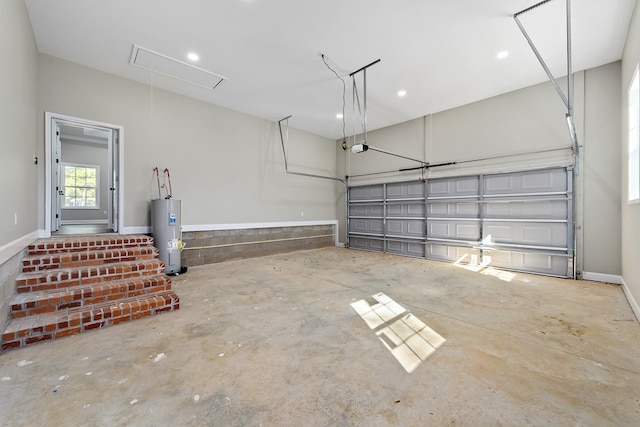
39 310
16 314
69 305
116 296
141 314
23 331
75 319
38 338
121 319
6 345
94 325
68 331
8 335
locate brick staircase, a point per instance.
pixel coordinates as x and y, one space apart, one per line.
74 284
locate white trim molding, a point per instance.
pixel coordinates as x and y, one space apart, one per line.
135 230
11 249
600 277
632 301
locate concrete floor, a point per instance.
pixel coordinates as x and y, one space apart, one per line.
274 341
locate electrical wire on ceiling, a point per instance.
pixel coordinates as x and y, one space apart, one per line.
344 93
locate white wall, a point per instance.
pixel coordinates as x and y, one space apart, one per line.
226 167
18 106
528 120
630 217
601 166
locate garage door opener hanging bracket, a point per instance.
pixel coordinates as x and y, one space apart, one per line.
364 146
568 98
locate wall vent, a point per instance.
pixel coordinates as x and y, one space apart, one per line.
171 67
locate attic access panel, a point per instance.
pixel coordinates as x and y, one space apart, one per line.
173 68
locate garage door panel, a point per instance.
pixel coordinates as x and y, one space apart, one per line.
542 263
405 190
541 209
521 220
451 229
450 210
405 227
532 182
451 253
453 187
366 244
368 226
406 209
366 210
551 234
370 192
413 249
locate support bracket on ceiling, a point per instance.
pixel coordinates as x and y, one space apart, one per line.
286 164
311 175
568 98
363 70
364 146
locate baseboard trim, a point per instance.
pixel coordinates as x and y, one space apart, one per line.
135 230
600 277
632 301
11 249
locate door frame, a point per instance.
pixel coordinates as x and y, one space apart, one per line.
117 160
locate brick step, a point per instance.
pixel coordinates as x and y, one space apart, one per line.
42 327
29 304
86 275
35 263
87 243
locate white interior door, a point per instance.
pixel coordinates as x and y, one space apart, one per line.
59 131
57 190
113 180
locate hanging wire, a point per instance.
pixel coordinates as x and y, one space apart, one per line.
356 101
344 94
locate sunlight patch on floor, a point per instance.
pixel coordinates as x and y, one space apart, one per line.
408 339
470 262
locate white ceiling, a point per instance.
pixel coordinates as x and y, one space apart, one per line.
443 53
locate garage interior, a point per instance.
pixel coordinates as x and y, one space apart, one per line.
423 214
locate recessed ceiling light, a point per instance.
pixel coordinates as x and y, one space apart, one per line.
503 54
339 116
402 93
193 56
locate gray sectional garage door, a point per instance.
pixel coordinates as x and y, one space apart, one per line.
518 221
